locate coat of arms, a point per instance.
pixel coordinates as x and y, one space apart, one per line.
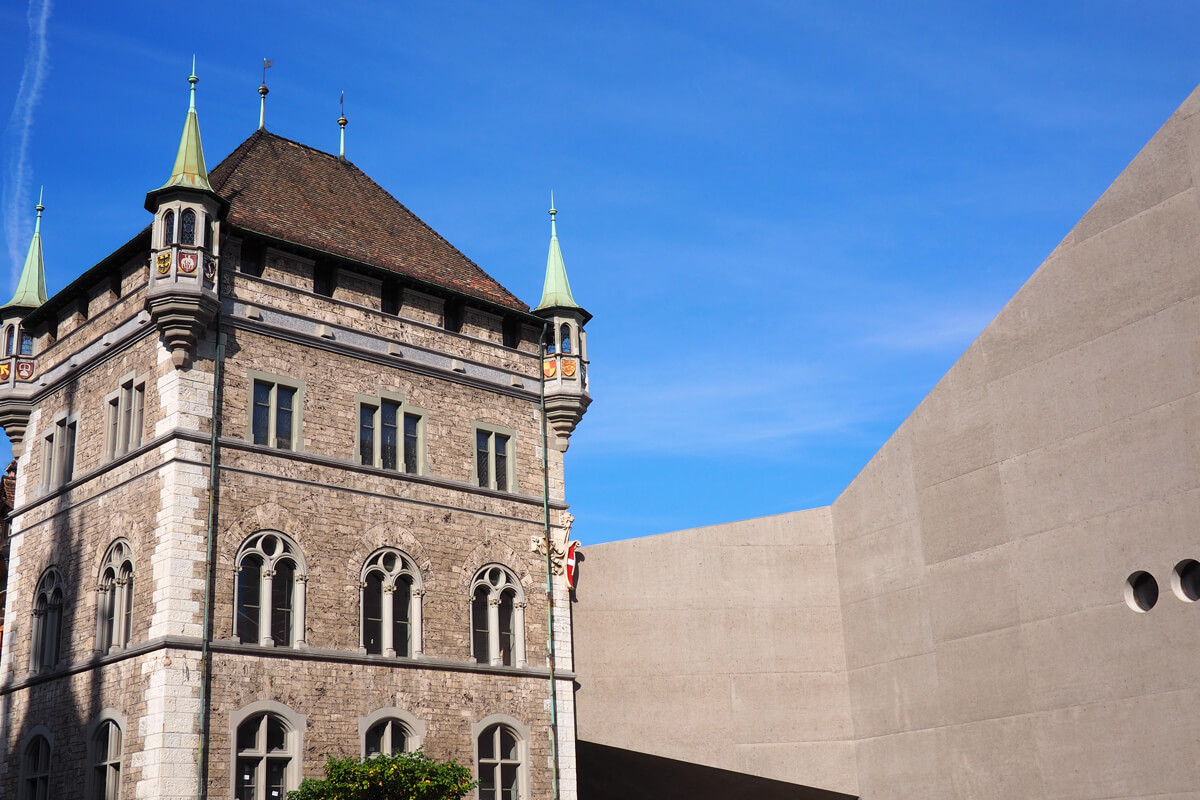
163 262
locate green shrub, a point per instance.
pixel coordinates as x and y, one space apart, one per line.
408 776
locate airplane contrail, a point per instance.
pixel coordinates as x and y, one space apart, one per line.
20 126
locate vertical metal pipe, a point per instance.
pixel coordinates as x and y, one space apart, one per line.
546 328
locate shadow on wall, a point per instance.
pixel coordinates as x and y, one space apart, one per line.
610 773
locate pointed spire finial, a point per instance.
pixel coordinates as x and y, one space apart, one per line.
262 93
189 169
556 292
553 213
193 80
342 124
31 288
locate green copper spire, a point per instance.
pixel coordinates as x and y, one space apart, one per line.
557 291
189 168
31 289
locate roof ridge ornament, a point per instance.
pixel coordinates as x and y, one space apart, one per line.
262 93
342 124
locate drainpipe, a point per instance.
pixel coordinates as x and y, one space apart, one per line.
210 561
546 328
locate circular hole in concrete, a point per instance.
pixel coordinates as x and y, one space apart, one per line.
1141 591
1185 580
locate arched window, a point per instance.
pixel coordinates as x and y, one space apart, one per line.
35 769
497 617
267 752
209 230
10 340
390 599
500 762
388 731
114 598
168 229
47 621
105 747
187 227
269 598
26 344
564 336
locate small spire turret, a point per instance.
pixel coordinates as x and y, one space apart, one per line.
31 288
189 170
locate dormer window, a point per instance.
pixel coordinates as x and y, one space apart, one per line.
564 336
187 225
168 228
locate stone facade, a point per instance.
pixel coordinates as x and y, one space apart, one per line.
179 693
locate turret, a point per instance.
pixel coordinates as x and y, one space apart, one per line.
564 357
17 364
185 245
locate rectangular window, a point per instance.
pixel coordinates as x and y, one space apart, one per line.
452 315
323 279
124 417
390 298
275 412
58 454
493 458
390 435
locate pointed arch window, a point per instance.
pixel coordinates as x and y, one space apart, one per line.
114 598
47 621
497 617
270 589
168 228
10 340
390 602
187 227
35 769
105 746
564 336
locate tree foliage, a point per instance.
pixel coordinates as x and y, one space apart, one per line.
407 776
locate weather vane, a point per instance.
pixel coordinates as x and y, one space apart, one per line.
342 124
262 93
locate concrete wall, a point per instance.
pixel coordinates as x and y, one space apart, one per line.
721 646
982 553
981 558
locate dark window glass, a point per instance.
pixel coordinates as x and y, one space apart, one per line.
247 770
482 446
262 411
10 340
511 332
506 628
564 335
26 344
401 603
501 461
276 735
479 625
373 613
209 231
388 434
249 589
412 461
126 632
284 398
452 316
276 778
52 624
508 782
68 466
389 297
283 586
253 257
323 280
168 228
108 609
366 435
187 227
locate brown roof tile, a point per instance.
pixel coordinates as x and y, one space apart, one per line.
292 192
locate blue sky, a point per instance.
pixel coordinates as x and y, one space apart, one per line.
789 219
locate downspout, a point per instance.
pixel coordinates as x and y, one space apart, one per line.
546 327
209 573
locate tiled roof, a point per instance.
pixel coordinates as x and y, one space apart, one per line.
292 192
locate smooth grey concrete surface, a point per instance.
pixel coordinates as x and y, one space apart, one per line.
979 558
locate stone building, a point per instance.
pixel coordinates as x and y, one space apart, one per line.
282 490
1002 604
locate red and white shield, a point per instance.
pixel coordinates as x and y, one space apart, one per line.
571 565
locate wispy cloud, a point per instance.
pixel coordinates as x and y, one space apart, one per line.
20 128
952 330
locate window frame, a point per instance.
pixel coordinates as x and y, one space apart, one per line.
404 409
114 612
294 722
406 568
255 377
108 716
57 445
125 416
415 728
492 431
521 733
494 604
36 734
288 550
45 635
